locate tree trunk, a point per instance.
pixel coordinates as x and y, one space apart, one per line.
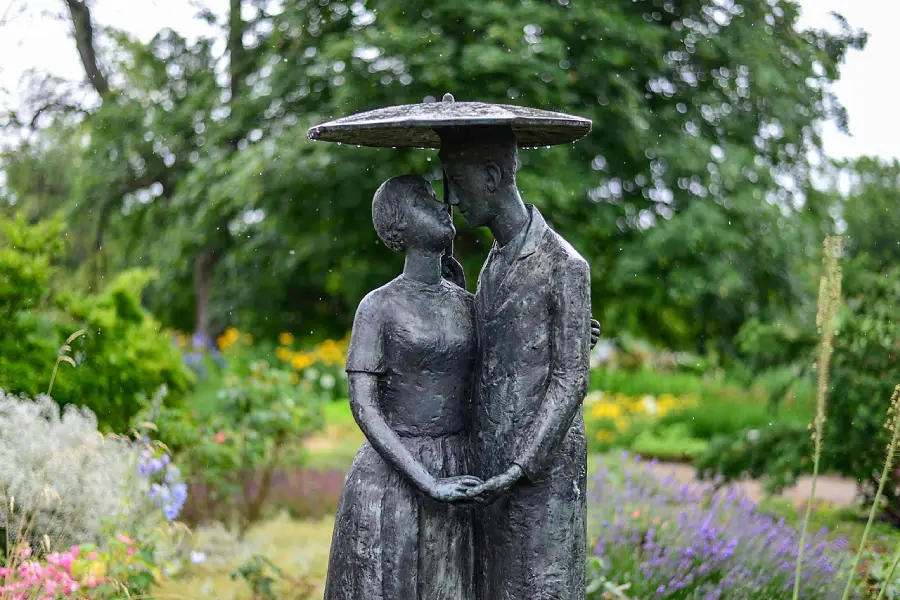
84 40
204 270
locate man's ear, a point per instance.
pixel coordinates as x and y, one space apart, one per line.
494 176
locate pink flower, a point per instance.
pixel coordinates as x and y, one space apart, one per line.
24 552
131 550
219 437
92 556
30 570
125 539
90 581
66 559
50 586
70 587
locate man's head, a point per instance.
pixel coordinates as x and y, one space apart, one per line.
480 167
407 214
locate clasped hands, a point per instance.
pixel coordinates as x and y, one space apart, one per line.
472 490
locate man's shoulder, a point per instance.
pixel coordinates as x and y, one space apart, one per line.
562 251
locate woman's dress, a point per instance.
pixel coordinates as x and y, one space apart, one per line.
390 541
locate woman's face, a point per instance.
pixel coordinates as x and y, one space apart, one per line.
429 226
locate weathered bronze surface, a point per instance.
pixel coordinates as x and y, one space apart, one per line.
471 484
414 125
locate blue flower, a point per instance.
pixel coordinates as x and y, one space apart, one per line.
171 512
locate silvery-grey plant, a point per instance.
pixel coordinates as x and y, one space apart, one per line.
61 480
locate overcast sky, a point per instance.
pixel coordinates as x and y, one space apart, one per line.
34 40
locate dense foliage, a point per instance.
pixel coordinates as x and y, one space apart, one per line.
122 354
700 112
865 365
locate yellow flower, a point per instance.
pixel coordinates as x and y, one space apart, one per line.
668 400
606 410
227 339
622 424
301 360
285 339
330 352
283 354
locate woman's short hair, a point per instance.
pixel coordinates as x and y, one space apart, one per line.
390 208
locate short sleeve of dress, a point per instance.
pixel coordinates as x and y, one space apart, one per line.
366 351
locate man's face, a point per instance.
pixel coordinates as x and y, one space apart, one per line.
468 188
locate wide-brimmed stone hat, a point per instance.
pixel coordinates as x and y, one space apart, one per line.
416 125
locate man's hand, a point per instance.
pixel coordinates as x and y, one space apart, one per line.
453 489
595 332
489 491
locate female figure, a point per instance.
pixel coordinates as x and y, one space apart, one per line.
400 532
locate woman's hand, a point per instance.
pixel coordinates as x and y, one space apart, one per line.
452 489
496 486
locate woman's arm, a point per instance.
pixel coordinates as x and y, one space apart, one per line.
368 415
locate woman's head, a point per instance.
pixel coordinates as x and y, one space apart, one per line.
407 214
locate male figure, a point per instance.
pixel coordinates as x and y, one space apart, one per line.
533 321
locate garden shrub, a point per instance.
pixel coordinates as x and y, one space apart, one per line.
123 353
236 454
61 480
865 366
776 455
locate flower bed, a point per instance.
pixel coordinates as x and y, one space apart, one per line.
666 540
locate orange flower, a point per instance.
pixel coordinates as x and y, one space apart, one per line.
285 339
636 514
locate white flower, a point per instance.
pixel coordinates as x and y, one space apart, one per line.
198 558
327 381
311 374
649 403
753 435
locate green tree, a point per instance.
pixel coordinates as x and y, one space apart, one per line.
684 198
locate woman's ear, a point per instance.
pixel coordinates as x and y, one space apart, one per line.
494 176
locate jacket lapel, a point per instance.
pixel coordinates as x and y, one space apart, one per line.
506 282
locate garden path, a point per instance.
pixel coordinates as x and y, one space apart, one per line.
837 491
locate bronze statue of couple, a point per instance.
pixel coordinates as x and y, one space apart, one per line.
471 484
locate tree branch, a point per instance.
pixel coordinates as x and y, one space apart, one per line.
84 40
50 106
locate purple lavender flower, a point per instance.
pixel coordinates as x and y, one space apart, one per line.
686 541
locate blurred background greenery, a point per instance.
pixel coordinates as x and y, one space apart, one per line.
170 204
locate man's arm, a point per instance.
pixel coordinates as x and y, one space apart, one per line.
569 365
